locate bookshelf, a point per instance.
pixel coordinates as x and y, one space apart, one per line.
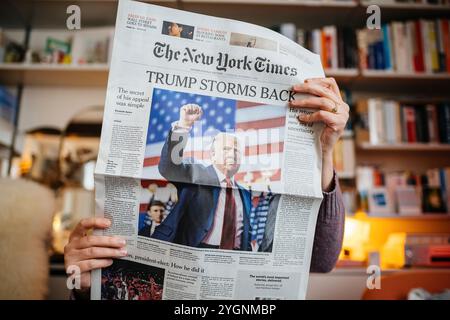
305 14
97 74
406 6
266 12
383 75
53 74
297 3
422 216
429 147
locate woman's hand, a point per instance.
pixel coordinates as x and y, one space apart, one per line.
89 252
332 111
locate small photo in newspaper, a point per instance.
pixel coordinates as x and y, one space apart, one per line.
182 215
178 30
128 280
249 41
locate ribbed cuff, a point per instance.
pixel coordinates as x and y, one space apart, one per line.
332 207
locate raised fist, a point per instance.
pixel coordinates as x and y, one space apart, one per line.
189 113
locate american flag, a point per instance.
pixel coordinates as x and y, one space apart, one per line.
259 127
258 216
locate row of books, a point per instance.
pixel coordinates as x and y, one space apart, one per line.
7 104
336 46
381 121
405 193
406 47
344 157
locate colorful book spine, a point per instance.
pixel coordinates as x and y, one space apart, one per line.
387 47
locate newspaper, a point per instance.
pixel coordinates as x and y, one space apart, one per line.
203 167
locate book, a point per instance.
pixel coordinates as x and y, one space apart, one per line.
380 201
376 121
440 45
444 122
426 44
432 123
413 46
362 49
392 122
418 48
432 201
387 47
409 124
421 124
433 48
337 46
444 179
409 200
445 25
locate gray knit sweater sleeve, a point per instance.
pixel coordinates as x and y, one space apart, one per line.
329 231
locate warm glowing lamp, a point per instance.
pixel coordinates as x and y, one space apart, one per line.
393 251
356 239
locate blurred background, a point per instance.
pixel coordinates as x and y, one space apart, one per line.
393 161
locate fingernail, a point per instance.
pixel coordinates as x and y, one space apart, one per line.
301 117
107 222
121 241
123 252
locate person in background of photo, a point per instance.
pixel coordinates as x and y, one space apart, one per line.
155 215
327 106
121 292
133 294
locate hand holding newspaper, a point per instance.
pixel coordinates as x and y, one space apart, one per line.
203 167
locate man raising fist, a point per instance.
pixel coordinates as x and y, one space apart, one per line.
213 210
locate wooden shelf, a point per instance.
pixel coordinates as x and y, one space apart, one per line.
435 84
97 75
18 14
407 6
382 74
343 76
345 175
422 216
406 147
54 75
297 3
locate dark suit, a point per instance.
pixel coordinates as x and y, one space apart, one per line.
198 187
147 230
